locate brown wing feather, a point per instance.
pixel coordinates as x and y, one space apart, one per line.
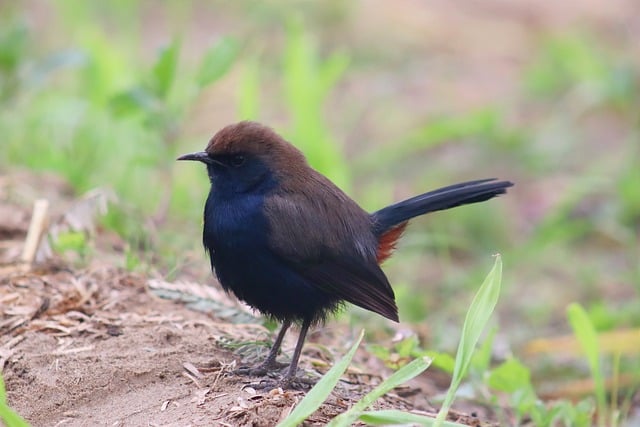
365 287
325 236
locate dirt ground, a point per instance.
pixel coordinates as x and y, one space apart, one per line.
97 346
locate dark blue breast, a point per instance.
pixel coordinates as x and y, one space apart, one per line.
236 234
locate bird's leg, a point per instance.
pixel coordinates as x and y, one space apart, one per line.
293 367
269 364
289 380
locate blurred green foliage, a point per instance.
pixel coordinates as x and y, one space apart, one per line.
88 99
513 379
72 242
308 81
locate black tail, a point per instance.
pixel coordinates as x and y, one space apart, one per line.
444 198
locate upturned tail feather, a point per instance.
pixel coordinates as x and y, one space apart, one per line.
387 219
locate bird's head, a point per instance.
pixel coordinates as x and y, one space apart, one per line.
248 156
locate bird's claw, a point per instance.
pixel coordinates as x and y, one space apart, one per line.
261 370
270 368
285 383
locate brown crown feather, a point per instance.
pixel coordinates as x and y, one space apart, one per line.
253 138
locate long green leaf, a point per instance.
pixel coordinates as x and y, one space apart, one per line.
7 415
394 417
217 61
10 418
477 317
164 70
399 377
249 91
588 339
321 391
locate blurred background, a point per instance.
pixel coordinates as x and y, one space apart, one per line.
388 99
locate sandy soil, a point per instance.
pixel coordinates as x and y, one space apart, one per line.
98 348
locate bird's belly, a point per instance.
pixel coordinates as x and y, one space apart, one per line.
267 285
245 265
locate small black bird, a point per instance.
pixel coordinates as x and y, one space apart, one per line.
288 242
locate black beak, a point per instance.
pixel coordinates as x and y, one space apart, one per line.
200 156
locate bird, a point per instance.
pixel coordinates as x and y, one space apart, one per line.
288 242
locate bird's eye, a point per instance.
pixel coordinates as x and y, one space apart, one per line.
237 160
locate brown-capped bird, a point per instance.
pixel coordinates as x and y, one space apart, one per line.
284 239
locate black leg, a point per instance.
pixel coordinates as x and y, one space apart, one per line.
270 361
269 364
289 380
293 367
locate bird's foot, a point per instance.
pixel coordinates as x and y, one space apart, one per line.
261 370
285 383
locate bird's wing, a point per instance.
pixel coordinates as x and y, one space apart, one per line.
327 239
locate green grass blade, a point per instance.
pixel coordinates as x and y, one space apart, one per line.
249 91
477 317
7 415
321 391
588 339
217 61
395 417
399 377
163 72
10 418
